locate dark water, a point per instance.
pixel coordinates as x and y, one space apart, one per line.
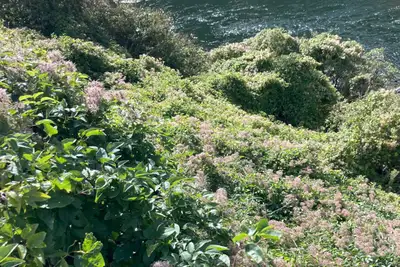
374 23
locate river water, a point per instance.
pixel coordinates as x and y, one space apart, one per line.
374 23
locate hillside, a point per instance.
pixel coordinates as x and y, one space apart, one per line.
278 151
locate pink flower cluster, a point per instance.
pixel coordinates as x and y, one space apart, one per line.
5 100
206 137
56 64
95 93
160 264
93 96
221 196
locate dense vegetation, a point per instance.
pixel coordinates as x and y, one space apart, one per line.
280 151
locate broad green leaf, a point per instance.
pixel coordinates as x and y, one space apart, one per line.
29 230
170 231
37 95
202 243
186 256
63 263
263 223
36 196
254 252
93 132
151 248
59 201
36 240
48 128
92 249
25 97
22 251
28 157
45 159
225 259
64 184
7 230
271 234
190 247
5 251
46 98
11 262
217 248
45 121
67 143
240 237
90 243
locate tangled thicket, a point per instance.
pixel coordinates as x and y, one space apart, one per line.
284 153
120 26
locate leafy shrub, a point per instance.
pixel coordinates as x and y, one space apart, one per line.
295 92
351 70
277 41
228 51
163 171
137 30
309 97
370 130
85 188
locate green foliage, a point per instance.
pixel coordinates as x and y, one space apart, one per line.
289 87
77 190
370 128
137 30
131 164
352 71
277 41
253 236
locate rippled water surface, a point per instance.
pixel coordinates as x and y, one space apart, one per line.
374 23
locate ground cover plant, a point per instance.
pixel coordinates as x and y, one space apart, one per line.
280 151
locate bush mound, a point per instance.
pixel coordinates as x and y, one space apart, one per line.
107 160
110 23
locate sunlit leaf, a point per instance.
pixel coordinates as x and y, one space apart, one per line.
254 252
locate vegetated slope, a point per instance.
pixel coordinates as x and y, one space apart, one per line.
113 161
111 23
